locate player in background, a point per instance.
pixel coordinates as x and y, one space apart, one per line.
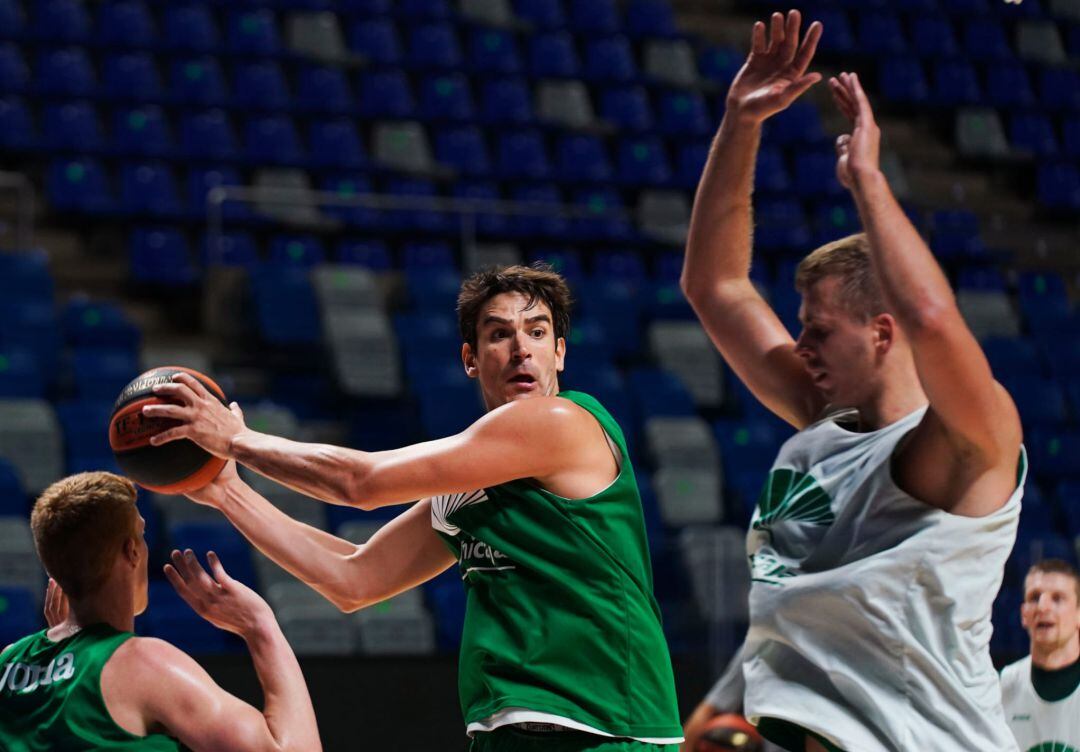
881 533
88 683
1039 692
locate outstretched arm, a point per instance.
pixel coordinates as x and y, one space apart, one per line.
716 272
151 686
972 413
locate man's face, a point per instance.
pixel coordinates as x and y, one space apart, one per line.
517 354
836 348
1050 612
142 574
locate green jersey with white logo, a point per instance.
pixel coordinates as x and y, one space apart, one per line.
50 696
561 626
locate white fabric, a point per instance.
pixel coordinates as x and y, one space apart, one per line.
870 619
1036 723
510 716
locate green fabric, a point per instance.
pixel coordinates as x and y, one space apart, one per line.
50 696
510 739
1057 684
560 615
791 736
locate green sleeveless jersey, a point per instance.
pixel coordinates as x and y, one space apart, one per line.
50 696
560 616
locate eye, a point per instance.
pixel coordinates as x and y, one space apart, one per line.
538 332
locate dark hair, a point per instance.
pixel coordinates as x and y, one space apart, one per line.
538 282
1057 566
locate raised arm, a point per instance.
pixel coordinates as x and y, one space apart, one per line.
716 272
404 553
151 686
971 413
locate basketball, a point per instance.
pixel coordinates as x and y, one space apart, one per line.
174 468
730 733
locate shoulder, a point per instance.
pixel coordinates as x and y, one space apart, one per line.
1016 672
151 656
541 417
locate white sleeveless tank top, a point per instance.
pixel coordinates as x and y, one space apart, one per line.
1038 725
870 610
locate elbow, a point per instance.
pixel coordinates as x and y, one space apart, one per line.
359 489
931 318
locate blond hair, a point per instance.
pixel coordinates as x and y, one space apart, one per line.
849 260
80 524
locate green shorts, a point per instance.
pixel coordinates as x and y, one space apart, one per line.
511 739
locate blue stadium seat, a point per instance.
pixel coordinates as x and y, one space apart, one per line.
16 127
544 14
66 71
834 219
125 23
253 31
487 222
650 18
539 225
841 37
956 83
422 9
984 39
285 306
658 392
79 185
72 126
780 225
616 306
189 27
160 255
221 538
365 7
300 251
506 101
13 497
1040 401
1013 358
377 40
567 262
60 21
372 254
385 94
19 614
627 108
522 154
643 160
260 86
272 139
609 59
446 97
1033 133
933 36
131 76
13 20
463 148
434 46
98 373
141 131
684 112
720 64
170 619
323 88
425 220
494 51
435 291
815 174
427 258
1059 88
621 265
1070 136
553 55
606 215
596 17
691 161
231 249
32 326
583 158
201 180
798 124
336 143
1059 185
1008 85
20 377
14 72
197 81
348 186
902 79
1053 454
149 188
1043 299
771 174
207 135
24 279
880 33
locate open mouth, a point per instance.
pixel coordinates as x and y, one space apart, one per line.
522 378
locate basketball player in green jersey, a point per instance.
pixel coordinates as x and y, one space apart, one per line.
537 504
87 683
882 530
1039 692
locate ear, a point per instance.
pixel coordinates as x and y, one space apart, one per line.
1027 613
131 551
885 332
468 359
560 354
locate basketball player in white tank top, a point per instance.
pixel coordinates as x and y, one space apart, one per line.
882 531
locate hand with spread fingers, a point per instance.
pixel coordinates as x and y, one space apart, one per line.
56 604
858 152
224 602
203 419
775 74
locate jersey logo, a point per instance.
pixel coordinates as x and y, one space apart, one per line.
1052 747
445 505
788 496
1021 717
477 556
23 678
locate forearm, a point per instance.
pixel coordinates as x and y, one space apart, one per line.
313 556
287 706
321 471
916 290
719 241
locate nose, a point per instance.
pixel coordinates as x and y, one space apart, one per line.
521 346
801 348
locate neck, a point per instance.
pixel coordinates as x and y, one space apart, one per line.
113 605
1053 657
900 393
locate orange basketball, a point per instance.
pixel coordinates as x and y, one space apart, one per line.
173 468
730 733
